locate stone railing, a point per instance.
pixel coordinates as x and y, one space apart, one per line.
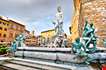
57 55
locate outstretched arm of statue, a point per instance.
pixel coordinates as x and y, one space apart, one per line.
91 37
54 22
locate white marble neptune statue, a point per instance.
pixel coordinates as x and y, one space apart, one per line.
59 22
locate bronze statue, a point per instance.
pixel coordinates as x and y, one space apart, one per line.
18 42
89 37
82 49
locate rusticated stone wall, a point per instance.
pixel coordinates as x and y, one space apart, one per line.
95 11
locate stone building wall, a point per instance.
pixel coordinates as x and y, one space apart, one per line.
95 11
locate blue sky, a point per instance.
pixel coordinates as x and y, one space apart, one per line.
37 14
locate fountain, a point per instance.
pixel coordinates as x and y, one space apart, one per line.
80 56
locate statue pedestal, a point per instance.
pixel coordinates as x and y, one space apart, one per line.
57 55
60 41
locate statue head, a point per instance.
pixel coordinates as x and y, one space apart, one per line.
14 41
104 40
86 22
65 35
59 9
91 25
78 39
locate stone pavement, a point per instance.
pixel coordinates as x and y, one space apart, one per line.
26 64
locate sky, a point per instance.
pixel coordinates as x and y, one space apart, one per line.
37 14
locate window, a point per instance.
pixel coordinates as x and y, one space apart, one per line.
0 34
7 24
11 26
0 28
4 23
2 41
5 29
4 35
11 35
14 27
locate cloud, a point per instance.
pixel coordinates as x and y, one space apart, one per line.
35 12
28 10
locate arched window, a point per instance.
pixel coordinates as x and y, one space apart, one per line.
4 35
4 23
0 34
0 28
7 24
5 29
11 35
2 41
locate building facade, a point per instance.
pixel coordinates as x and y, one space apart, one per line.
94 11
15 29
9 29
31 40
74 28
48 34
4 26
39 40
